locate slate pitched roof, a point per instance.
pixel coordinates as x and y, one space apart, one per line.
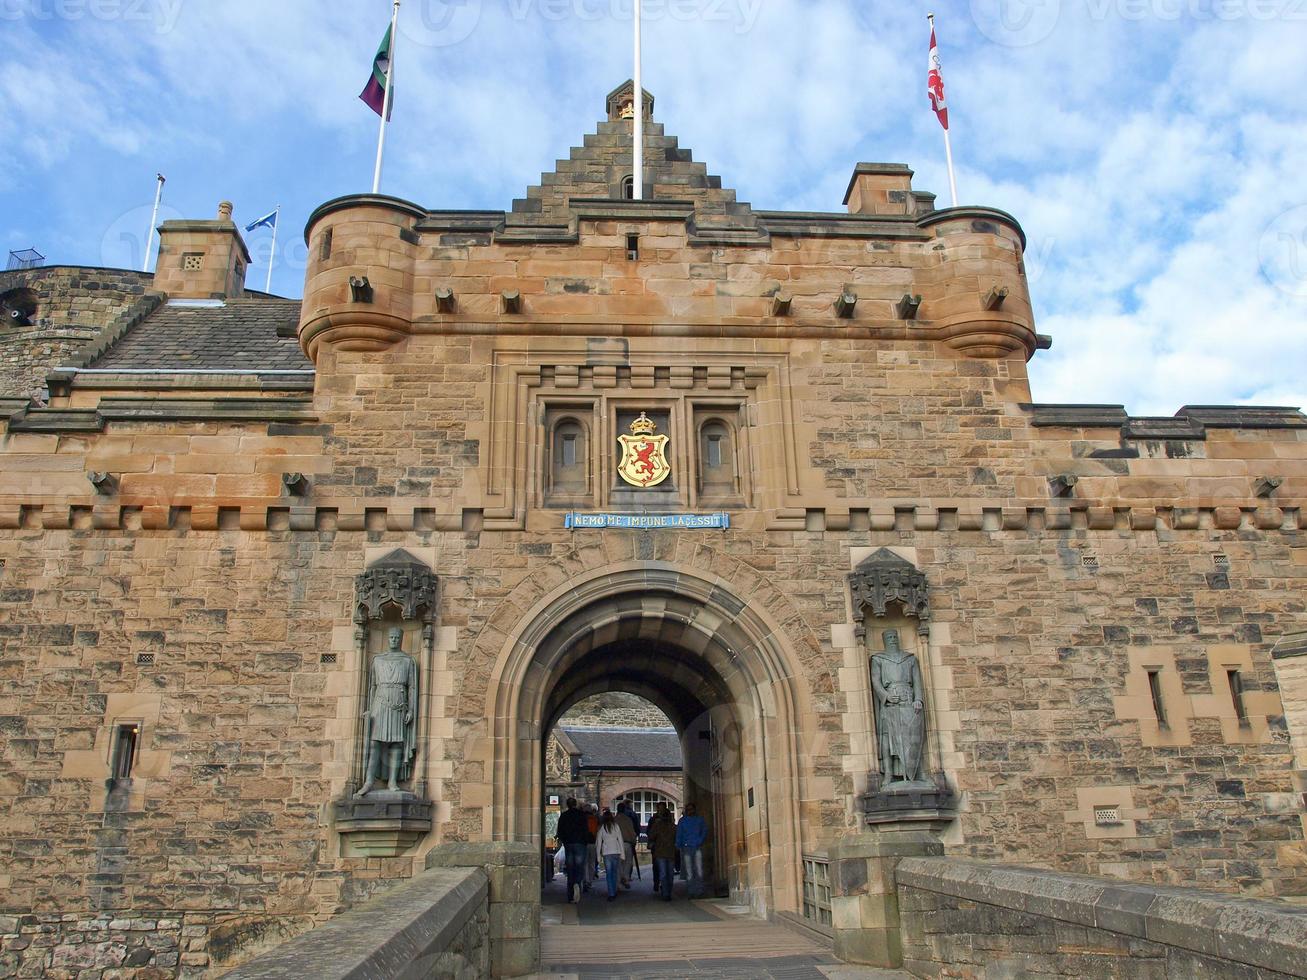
627 748
248 334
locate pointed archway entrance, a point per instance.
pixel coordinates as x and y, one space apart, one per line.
714 664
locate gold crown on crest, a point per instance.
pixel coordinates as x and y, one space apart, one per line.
643 426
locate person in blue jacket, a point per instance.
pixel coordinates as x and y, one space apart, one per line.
691 832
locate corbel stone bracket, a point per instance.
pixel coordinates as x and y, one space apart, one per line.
908 307
360 289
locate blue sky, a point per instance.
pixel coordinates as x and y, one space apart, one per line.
1154 150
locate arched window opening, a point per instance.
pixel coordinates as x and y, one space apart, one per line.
628 187
717 470
569 457
645 802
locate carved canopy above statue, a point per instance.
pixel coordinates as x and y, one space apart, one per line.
884 578
398 580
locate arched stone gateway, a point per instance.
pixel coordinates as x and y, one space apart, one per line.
721 669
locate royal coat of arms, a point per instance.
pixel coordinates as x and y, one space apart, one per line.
644 457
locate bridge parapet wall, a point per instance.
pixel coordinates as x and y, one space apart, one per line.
967 919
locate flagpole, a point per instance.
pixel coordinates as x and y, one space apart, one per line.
272 258
952 180
948 146
637 124
385 106
154 220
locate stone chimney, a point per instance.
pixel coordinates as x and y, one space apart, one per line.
881 188
202 259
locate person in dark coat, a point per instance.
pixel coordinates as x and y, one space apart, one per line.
662 845
575 836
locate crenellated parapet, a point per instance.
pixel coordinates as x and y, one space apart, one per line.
577 256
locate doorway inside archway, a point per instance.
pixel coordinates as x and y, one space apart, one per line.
701 737
618 752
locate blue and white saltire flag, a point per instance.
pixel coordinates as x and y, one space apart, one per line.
269 220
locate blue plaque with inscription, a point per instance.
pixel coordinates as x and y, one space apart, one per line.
648 522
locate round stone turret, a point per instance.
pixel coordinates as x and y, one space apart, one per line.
359 290
975 286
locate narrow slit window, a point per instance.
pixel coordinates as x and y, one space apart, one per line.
632 247
1236 695
124 750
1155 689
569 449
324 246
714 450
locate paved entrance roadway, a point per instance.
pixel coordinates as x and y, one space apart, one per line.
639 936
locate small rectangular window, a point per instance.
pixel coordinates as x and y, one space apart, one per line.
1155 689
632 247
324 248
569 450
1236 695
124 750
714 451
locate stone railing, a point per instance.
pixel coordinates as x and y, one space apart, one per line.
435 925
963 918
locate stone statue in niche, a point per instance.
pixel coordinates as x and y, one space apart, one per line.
391 722
900 719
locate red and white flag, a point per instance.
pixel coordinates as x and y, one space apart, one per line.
935 82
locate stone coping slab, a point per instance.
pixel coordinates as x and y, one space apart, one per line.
472 854
1259 933
1290 645
388 936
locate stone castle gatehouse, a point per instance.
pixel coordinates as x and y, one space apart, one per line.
734 461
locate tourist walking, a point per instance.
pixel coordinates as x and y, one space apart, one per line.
662 845
691 832
612 849
591 853
574 836
628 822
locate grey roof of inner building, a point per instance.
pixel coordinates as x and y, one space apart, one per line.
627 748
241 335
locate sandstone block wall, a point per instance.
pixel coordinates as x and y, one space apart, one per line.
207 604
75 304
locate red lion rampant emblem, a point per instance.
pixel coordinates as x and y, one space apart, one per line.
644 459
